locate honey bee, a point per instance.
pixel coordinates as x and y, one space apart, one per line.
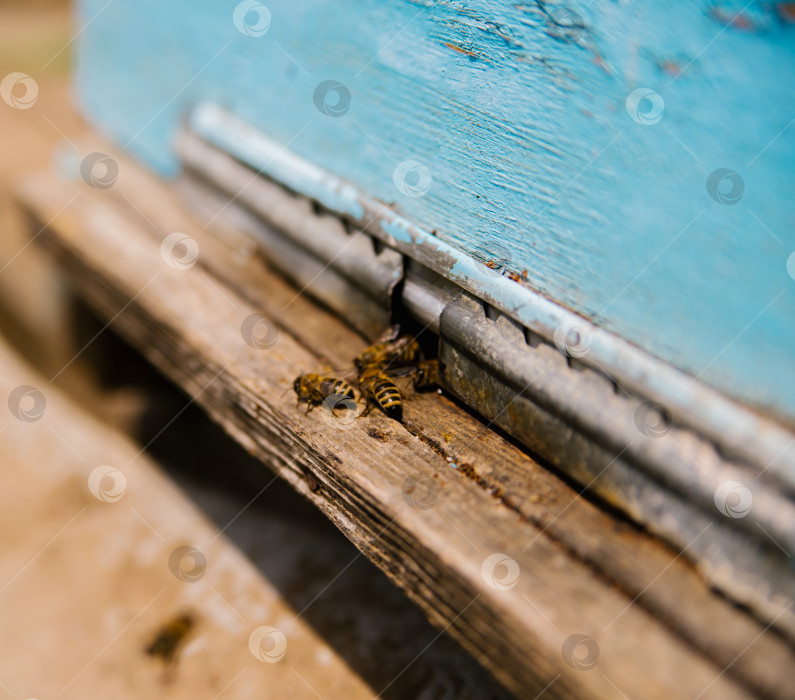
390 350
424 375
427 375
314 389
168 639
377 387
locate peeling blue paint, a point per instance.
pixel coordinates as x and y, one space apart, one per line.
535 162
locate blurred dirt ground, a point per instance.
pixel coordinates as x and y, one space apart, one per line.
85 585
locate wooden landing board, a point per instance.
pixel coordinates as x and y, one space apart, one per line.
567 568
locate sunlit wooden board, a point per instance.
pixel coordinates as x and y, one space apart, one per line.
189 325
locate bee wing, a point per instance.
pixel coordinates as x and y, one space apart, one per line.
345 373
388 335
402 342
400 371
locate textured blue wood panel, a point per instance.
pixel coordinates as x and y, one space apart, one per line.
523 125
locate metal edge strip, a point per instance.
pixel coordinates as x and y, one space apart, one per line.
675 459
738 430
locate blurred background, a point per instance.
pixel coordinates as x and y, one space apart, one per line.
31 34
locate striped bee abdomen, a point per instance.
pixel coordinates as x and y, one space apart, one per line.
329 386
314 389
379 388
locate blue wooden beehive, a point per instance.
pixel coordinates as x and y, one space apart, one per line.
612 180
543 154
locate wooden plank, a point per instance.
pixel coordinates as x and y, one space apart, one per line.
538 158
630 559
179 319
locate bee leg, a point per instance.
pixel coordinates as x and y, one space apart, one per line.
309 407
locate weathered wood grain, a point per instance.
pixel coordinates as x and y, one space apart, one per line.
188 324
663 582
